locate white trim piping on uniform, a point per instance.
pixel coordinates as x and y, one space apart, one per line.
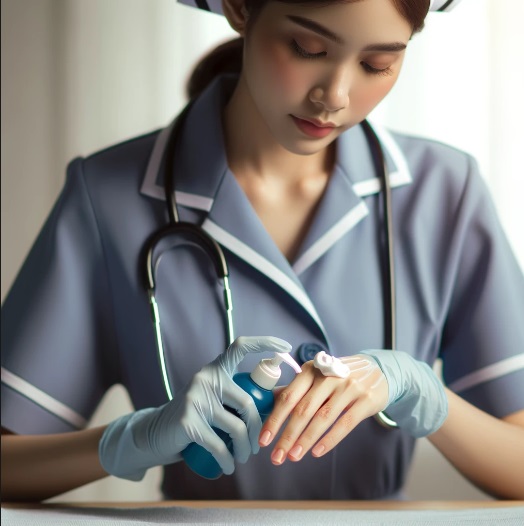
259 262
373 186
149 186
389 143
199 202
43 399
490 372
322 245
400 177
368 187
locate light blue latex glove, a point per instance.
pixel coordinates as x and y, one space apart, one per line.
417 401
155 436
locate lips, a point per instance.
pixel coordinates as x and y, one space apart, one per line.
318 123
313 127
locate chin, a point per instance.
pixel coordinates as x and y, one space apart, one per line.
305 150
308 147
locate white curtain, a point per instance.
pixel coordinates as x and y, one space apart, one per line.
78 75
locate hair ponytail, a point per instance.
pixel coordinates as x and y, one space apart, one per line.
226 58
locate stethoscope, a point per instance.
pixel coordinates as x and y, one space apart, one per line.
197 235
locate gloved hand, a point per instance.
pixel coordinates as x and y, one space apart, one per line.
417 400
156 436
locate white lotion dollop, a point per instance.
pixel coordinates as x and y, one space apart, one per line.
330 366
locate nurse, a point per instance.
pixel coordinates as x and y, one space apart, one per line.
273 163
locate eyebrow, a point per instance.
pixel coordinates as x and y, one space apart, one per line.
325 32
386 47
316 27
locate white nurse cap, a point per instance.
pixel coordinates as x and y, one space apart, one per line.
215 6
443 5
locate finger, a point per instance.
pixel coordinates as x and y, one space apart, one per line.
343 426
243 345
353 399
322 421
209 440
237 431
306 411
285 402
245 407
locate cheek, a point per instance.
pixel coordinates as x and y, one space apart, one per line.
375 92
282 72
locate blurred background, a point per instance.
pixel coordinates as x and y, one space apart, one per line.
79 75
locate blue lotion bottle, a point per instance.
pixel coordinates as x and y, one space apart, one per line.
259 385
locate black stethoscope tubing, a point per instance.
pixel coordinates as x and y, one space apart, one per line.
390 322
206 242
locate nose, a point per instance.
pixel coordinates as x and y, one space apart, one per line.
332 93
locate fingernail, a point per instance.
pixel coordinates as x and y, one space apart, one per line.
296 452
265 439
278 456
318 450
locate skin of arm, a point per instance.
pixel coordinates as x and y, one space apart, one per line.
488 451
38 467
322 411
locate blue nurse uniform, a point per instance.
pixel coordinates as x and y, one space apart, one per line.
77 320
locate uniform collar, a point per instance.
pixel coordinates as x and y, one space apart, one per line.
200 155
204 182
202 164
355 158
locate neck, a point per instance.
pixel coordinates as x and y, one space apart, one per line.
252 151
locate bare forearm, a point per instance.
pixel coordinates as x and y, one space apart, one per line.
42 466
486 450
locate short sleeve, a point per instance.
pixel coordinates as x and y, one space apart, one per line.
483 337
59 349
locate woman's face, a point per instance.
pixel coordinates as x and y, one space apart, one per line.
308 67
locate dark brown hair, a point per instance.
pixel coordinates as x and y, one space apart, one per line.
227 57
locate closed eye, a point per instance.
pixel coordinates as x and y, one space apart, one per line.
303 53
376 71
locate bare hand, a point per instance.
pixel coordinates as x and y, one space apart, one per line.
316 403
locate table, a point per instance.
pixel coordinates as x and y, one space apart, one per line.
277 513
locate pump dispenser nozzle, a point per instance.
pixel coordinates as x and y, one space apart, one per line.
267 372
284 357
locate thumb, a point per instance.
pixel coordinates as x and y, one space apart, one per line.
243 345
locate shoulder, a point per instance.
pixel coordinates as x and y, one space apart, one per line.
439 166
448 191
423 153
121 163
